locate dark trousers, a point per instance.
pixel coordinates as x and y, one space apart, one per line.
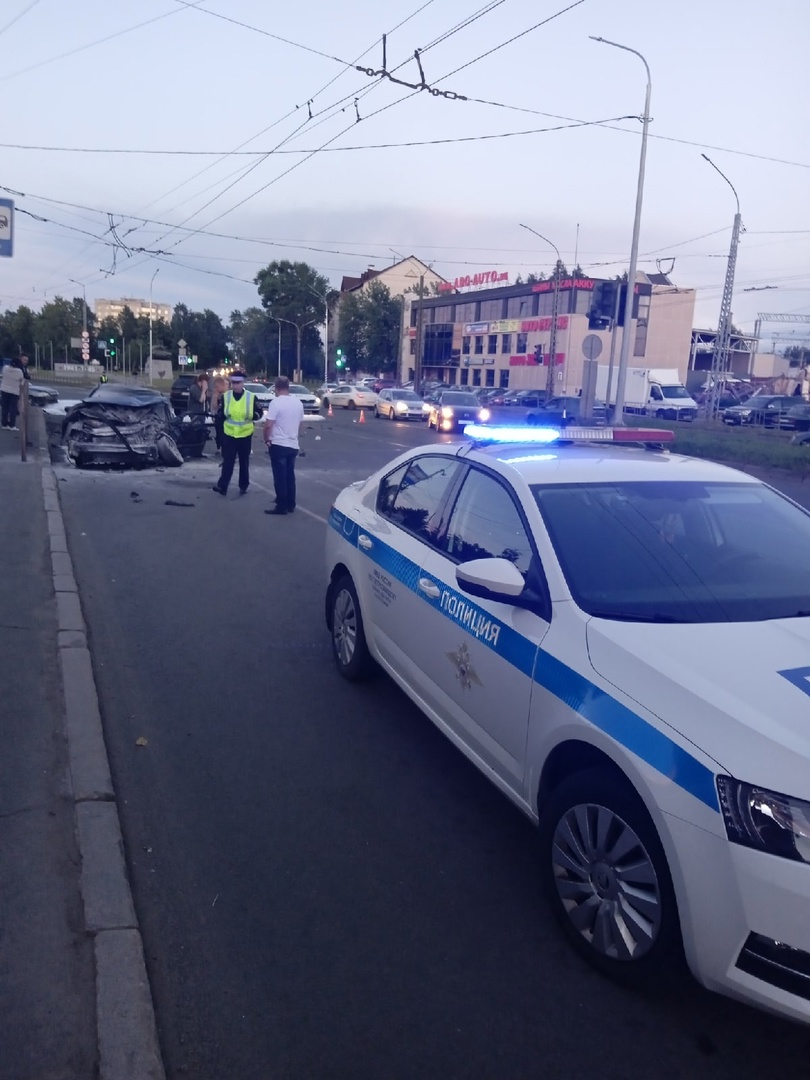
8 408
282 461
231 450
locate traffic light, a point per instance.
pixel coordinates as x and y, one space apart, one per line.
111 349
339 362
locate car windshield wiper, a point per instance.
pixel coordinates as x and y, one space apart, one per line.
632 616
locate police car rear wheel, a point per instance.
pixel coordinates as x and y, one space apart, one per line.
607 878
349 647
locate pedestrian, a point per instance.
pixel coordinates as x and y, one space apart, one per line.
281 425
239 410
198 395
14 375
220 386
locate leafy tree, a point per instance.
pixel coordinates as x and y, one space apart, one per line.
370 327
254 337
297 293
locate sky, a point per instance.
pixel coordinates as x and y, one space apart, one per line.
274 145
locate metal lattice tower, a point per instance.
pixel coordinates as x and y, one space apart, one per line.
720 357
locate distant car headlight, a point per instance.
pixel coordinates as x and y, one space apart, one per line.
484 415
425 407
765 820
317 401
447 412
400 406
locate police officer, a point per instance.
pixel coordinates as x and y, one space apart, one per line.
238 410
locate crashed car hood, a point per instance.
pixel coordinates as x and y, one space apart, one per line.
130 397
738 691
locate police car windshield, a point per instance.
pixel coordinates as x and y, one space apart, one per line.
680 551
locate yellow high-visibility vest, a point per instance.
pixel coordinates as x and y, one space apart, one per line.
238 415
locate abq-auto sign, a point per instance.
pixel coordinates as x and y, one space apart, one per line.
474 281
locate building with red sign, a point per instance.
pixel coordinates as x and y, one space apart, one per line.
502 336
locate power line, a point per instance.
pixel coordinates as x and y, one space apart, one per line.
17 18
98 41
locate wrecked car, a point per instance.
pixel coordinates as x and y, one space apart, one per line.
130 426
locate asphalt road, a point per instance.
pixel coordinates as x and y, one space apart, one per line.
326 888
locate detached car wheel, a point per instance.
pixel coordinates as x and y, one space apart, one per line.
349 648
606 876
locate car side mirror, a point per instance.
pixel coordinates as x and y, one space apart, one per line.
491 579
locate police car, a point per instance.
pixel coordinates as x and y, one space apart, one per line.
619 638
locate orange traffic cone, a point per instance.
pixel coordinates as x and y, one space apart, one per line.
362 419
329 410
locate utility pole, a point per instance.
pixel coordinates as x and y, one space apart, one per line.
722 343
555 311
417 370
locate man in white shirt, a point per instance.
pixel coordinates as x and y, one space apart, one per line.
281 424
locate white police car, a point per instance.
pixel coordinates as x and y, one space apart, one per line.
620 639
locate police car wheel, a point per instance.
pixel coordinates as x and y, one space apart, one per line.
349 647
607 879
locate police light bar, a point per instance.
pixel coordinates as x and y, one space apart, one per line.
534 435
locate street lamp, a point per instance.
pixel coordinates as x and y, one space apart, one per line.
555 309
151 359
325 299
621 378
280 321
722 342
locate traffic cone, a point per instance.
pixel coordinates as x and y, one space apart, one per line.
362 419
329 410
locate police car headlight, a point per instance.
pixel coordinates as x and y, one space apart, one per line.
765 820
447 412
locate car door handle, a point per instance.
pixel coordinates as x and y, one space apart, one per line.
365 542
430 588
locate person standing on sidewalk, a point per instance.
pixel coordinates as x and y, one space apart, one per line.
281 425
220 385
198 395
14 374
239 410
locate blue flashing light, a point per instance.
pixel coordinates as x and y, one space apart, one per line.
523 435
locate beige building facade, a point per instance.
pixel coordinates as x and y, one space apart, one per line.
502 336
114 309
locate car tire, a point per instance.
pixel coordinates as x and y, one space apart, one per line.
377 414
351 405
349 648
167 450
391 414
609 883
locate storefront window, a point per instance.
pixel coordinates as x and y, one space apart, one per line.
492 344
465 346
443 314
521 343
506 344
479 345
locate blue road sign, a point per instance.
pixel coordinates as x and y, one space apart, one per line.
6 227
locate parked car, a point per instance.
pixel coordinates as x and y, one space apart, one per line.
178 395
799 416
399 404
310 401
264 394
561 410
351 397
617 637
767 410
530 399
452 409
383 384
324 388
42 395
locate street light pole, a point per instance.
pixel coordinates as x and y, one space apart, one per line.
621 377
722 342
151 359
555 310
280 321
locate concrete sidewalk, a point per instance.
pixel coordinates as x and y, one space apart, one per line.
74 998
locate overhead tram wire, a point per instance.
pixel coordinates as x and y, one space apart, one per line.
17 17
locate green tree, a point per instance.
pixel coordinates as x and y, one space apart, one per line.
370 327
254 337
297 293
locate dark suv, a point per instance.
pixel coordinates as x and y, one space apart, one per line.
179 392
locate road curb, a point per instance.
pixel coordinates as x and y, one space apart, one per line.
125 1017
